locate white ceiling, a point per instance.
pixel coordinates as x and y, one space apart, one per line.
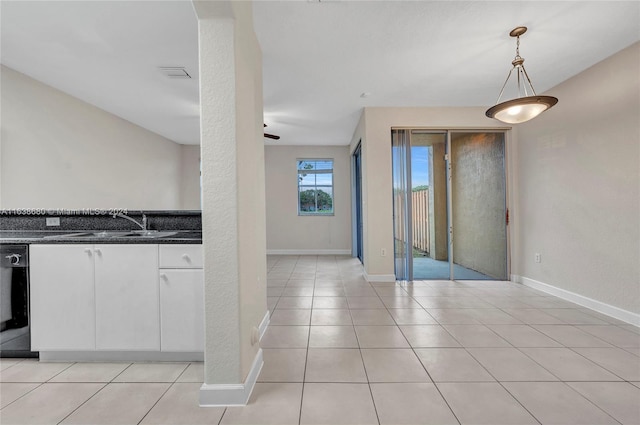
318 57
107 53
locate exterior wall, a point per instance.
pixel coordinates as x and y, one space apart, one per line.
578 186
286 231
69 154
478 199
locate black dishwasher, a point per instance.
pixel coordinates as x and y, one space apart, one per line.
15 335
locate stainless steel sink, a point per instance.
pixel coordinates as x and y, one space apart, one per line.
148 234
67 235
107 234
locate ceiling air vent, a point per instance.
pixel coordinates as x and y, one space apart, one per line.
174 71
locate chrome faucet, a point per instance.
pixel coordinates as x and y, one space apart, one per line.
142 225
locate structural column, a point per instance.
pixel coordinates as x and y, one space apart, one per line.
233 201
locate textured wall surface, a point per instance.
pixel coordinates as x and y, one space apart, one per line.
233 205
219 202
578 185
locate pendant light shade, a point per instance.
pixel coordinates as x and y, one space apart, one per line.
522 108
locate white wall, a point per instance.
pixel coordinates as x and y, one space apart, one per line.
374 130
578 185
286 231
67 153
190 177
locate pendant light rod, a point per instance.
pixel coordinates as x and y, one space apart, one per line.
518 64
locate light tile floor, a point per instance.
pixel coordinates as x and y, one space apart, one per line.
340 350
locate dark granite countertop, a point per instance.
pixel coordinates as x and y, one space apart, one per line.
59 237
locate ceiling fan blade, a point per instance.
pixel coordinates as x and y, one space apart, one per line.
272 136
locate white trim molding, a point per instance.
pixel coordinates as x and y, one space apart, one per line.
215 395
379 277
599 306
308 251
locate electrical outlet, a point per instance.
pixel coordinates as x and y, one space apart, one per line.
383 252
53 221
538 258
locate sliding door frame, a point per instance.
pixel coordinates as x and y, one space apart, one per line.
448 164
357 218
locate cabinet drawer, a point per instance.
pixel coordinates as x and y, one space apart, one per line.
180 256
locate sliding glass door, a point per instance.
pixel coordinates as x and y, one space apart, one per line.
449 198
429 210
401 203
478 197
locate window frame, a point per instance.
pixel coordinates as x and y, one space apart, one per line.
316 186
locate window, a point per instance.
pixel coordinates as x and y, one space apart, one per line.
315 186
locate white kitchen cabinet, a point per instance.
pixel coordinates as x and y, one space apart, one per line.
182 310
117 298
181 298
127 310
62 298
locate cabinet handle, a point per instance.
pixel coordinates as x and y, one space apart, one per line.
97 251
88 251
186 258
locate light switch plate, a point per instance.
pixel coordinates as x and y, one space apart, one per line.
53 221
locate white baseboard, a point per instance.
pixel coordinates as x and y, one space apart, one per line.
379 277
599 306
308 251
264 324
215 395
120 356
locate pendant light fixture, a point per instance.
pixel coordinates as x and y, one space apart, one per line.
522 108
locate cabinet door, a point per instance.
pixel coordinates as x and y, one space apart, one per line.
182 310
127 316
62 298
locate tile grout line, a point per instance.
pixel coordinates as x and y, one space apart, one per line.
63 370
175 381
28 392
157 401
422 364
598 364
364 366
306 356
86 401
18 361
183 371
